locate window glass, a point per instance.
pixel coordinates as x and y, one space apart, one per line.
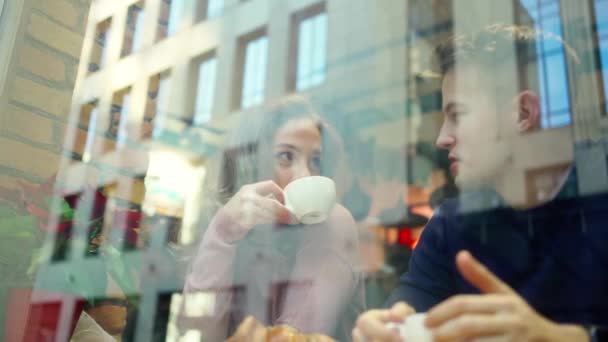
134 28
312 51
601 6
205 90
170 16
159 99
546 15
99 50
289 170
254 77
214 8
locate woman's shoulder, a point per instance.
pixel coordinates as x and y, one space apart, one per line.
341 225
340 216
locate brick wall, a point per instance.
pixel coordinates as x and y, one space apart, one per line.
38 88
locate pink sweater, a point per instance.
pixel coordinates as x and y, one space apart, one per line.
307 277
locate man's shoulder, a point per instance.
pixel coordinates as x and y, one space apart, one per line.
439 230
455 218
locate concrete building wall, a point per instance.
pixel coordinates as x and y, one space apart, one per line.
41 67
365 64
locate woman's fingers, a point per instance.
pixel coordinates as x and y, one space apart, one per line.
278 210
260 203
267 188
263 210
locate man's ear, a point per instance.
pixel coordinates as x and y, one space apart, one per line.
528 108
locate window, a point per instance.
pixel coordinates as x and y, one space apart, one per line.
87 122
539 182
119 117
263 94
203 71
133 30
209 9
601 8
99 51
171 12
309 30
157 106
252 65
552 70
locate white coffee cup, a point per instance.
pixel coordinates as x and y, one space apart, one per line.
413 329
310 199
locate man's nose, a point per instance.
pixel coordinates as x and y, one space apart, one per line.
446 139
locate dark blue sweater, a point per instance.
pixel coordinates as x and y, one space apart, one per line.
555 256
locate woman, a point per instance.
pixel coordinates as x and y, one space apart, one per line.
254 256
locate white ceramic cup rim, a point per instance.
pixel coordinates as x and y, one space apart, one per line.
313 216
293 183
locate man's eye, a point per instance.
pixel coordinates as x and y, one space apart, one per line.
456 116
462 113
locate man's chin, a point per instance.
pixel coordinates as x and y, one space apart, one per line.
467 182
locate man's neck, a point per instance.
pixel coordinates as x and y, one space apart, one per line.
516 198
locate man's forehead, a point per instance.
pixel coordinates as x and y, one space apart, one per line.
467 83
463 76
455 92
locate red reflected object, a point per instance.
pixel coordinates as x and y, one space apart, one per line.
30 320
407 238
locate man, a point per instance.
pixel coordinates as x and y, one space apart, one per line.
495 262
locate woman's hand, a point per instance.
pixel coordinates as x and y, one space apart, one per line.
372 325
499 312
254 204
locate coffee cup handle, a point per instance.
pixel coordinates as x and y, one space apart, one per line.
290 208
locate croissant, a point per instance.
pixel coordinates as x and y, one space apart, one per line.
252 330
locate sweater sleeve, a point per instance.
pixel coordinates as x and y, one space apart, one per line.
431 275
326 277
212 272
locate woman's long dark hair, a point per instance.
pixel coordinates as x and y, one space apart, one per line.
247 157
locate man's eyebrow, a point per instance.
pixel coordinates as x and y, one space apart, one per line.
452 106
449 107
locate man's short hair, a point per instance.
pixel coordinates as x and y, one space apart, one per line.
493 46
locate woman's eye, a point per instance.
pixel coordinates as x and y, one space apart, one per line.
284 157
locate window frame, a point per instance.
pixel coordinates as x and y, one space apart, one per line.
240 61
297 19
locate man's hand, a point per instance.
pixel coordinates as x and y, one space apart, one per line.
498 312
371 325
